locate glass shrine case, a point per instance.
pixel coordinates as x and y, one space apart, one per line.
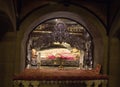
59 42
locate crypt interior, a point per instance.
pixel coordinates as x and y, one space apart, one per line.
59 40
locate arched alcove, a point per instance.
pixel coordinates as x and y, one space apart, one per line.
89 21
59 40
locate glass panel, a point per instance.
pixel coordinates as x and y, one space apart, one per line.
59 42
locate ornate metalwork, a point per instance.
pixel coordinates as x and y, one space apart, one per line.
59 34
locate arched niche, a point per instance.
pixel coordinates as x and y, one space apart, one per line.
60 40
89 21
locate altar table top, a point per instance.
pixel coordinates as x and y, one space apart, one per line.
57 74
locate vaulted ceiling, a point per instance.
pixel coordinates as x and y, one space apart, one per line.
13 12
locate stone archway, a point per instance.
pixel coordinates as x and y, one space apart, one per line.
90 22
